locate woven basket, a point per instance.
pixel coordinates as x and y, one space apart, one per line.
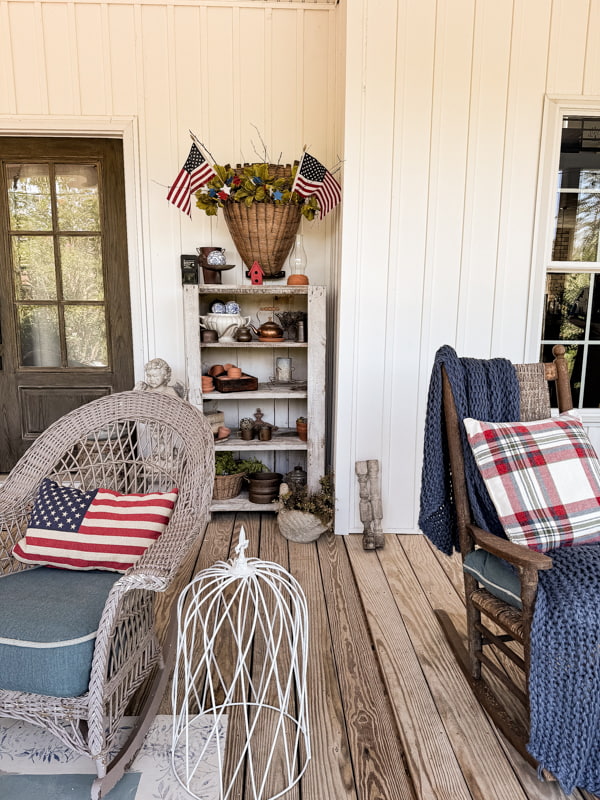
227 486
299 526
263 232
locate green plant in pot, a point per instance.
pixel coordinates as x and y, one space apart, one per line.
230 473
304 515
302 428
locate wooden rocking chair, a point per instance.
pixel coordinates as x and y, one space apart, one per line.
496 659
131 443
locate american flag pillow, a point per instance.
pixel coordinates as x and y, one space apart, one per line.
97 529
543 478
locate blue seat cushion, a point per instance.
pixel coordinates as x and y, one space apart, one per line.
496 575
48 624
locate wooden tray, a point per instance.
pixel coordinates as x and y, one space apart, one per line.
247 383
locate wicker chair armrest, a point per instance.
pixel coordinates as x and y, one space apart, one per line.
161 561
515 554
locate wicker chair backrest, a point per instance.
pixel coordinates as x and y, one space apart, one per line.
132 442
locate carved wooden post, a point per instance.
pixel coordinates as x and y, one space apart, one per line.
376 506
367 473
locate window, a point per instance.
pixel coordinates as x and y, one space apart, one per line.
56 247
572 294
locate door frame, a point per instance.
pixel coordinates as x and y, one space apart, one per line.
126 129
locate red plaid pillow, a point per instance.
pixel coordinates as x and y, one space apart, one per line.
97 529
543 478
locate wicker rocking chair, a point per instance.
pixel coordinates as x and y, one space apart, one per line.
132 442
496 658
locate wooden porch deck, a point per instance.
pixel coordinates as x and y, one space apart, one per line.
392 717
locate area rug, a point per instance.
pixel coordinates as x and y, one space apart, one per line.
35 765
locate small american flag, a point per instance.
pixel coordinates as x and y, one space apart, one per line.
313 178
196 172
97 529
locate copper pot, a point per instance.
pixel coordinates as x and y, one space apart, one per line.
268 330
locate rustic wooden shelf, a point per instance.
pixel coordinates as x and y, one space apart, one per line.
281 405
283 439
267 391
256 344
242 503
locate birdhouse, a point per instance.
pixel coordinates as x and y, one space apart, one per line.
255 273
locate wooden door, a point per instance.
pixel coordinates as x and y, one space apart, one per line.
65 321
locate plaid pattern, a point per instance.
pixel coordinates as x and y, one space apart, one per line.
97 529
543 478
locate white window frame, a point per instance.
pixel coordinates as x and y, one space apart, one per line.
555 108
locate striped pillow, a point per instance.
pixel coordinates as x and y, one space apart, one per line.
543 478
97 529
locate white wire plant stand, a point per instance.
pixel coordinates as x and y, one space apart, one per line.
239 688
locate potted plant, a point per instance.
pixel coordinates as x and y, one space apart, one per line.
260 209
302 428
304 515
230 473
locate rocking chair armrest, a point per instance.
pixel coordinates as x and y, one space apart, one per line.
516 554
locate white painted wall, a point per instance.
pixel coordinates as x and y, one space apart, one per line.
444 112
151 70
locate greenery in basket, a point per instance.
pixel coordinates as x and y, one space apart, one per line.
226 464
256 184
321 503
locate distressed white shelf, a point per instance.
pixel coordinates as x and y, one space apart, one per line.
281 404
285 439
242 503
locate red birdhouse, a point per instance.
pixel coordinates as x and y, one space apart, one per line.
255 273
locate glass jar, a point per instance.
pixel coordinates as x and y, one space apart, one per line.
296 478
297 263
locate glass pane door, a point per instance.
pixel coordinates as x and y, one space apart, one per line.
56 249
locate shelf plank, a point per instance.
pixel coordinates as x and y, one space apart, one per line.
252 345
242 503
284 439
267 391
275 290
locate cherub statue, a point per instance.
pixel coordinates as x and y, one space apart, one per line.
158 374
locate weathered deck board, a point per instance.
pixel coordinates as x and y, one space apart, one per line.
329 773
375 745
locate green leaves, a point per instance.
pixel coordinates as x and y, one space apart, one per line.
254 183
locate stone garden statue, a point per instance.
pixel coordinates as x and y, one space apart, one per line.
157 375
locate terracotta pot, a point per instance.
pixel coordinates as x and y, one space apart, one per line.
302 431
297 280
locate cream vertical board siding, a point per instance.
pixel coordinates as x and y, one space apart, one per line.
447 244
524 110
215 66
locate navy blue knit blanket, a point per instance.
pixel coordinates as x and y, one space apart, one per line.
483 389
564 680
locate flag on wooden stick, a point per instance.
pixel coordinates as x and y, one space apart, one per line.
312 178
196 172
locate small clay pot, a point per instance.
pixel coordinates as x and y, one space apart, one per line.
217 369
302 431
264 433
234 372
297 280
